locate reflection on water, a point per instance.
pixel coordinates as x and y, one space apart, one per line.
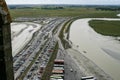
102 50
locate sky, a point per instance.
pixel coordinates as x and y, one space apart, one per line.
97 2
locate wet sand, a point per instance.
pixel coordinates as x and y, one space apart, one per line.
22 33
87 66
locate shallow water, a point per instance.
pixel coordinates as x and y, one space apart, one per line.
102 50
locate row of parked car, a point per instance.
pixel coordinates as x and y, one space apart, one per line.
58 70
37 69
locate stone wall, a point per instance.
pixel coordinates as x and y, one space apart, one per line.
6 61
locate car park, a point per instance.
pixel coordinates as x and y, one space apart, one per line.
38 43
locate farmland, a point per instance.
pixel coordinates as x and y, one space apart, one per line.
109 28
81 12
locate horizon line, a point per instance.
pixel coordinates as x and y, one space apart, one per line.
70 4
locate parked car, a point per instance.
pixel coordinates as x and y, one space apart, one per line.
88 78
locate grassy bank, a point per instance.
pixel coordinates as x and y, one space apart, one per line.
109 28
65 30
66 12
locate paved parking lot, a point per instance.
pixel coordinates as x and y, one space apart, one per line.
26 56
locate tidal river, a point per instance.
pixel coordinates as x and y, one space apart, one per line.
104 51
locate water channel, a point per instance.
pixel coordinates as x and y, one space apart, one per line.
104 51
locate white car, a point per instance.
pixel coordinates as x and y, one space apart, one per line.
71 70
88 78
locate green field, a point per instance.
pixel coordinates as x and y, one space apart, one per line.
109 28
66 12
